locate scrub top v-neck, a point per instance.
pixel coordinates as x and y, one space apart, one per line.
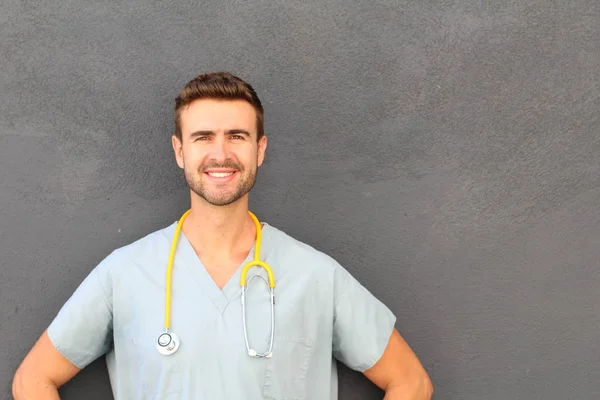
221 298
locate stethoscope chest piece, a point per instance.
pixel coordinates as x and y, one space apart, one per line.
167 343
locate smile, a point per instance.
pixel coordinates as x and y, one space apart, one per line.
220 177
220 174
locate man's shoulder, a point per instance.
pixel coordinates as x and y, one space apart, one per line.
152 245
288 247
151 240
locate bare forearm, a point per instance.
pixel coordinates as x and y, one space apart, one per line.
24 389
420 389
400 373
42 372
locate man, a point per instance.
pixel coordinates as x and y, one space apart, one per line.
222 349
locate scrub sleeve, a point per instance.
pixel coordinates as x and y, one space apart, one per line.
362 324
82 329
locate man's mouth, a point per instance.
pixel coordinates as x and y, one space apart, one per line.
220 174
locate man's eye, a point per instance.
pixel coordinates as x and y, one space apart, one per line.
237 137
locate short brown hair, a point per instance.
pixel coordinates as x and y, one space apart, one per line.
222 86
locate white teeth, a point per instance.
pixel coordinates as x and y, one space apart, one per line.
220 174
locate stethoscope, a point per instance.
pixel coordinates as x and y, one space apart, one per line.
168 342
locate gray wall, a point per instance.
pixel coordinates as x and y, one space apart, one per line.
447 153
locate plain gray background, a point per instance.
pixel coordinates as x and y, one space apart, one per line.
446 153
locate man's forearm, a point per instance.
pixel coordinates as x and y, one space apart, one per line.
422 390
30 389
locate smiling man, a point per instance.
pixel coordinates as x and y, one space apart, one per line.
232 342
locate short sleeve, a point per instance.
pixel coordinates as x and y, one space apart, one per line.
362 324
82 329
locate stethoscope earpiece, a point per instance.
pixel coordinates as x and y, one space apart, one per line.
167 343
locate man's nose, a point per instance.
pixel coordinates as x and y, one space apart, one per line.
219 149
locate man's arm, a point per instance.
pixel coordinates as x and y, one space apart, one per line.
42 372
400 373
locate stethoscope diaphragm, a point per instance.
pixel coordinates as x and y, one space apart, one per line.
167 343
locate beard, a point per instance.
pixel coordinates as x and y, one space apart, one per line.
218 196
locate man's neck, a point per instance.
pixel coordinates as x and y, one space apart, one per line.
219 231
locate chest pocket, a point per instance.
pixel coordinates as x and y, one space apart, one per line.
158 376
161 382
285 372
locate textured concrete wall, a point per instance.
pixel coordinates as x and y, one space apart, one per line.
447 153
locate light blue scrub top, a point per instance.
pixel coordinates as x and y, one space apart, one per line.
321 312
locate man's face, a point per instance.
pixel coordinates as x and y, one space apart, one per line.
218 150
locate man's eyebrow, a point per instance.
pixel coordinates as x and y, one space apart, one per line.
238 131
201 133
229 132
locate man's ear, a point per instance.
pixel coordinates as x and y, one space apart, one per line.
178 149
262 147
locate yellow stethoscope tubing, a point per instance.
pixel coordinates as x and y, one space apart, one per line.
256 262
170 270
